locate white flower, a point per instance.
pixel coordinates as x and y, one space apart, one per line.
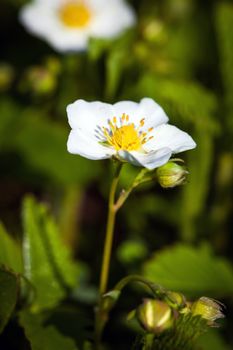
134 132
68 24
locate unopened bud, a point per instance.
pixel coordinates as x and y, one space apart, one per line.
209 309
39 80
176 300
155 316
171 175
6 76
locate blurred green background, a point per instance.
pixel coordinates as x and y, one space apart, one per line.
181 54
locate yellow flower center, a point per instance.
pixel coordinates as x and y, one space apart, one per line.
75 14
126 137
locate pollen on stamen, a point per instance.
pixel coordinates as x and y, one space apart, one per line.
151 137
142 121
150 129
127 117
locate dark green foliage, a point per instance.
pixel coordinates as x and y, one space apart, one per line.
47 262
195 271
8 295
180 53
224 18
44 337
10 252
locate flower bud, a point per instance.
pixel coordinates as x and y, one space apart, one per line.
209 309
39 80
155 315
171 175
6 76
176 300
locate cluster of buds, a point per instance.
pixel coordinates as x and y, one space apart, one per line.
157 316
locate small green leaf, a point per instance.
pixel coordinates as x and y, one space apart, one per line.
47 262
10 254
195 271
44 337
8 295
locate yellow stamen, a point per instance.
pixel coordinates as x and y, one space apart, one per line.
75 14
142 122
126 137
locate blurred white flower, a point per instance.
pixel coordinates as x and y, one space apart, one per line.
68 24
134 132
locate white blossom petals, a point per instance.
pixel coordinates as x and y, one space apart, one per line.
133 132
152 112
127 107
107 19
31 17
111 20
170 136
150 160
146 109
89 117
88 147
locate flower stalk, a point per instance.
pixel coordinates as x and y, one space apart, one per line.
112 210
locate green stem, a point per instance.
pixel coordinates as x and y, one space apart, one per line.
109 232
101 317
155 289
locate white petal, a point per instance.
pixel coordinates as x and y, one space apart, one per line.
146 109
42 19
64 40
79 143
38 18
170 136
90 117
149 160
152 112
130 108
111 18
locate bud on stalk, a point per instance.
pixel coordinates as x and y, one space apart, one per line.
171 174
155 316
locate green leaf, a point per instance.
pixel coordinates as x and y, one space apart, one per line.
47 262
10 254
42 336
184 101
224 19
43 145
212 340
193 271
9 122
193 199
8 295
